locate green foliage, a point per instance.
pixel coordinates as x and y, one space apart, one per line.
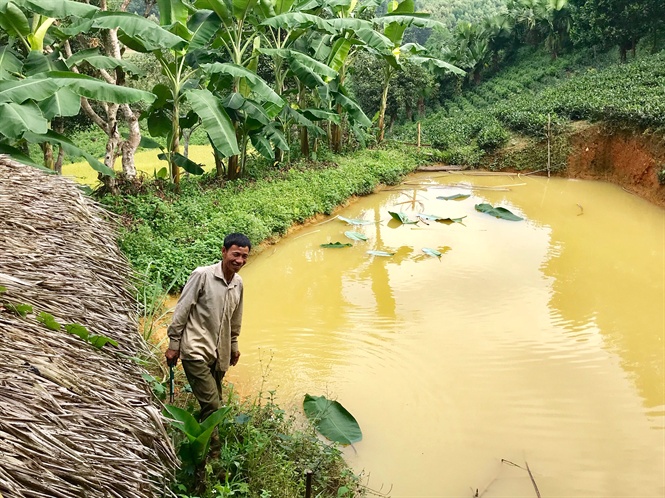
498 212
661 176
332 420
21 310
265 452
534 89
336 245
452 12
401 217
194 449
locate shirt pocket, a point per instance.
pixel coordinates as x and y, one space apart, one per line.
232 300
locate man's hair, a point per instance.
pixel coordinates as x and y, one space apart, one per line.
237 239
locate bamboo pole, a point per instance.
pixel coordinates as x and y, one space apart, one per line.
418 136
549 144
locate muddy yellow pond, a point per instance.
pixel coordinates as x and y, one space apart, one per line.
537 341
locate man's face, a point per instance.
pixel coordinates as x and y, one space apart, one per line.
234 257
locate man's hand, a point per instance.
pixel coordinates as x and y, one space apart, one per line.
172 356
235 356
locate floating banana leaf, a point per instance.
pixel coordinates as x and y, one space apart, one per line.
401 217
332 420
432 252
336 245
355 235
440 219
352 221
456 197
381 253
498 212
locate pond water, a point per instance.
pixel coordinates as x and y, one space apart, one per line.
539 341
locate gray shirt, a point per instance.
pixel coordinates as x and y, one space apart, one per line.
206 321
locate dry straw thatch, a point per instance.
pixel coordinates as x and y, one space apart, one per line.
75 421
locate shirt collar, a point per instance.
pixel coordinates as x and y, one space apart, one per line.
220 274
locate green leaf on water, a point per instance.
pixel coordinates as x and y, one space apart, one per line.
381 253
456 197
432 252
401 217
332 420
498 212
440 219
355 235
48 320
77 329
18 309
336 245
352 221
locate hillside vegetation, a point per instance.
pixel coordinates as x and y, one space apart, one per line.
521 99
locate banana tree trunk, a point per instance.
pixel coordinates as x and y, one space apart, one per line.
175 145
220 169
304 142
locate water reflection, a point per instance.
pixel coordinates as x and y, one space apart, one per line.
538 340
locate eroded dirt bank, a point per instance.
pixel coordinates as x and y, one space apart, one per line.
628 159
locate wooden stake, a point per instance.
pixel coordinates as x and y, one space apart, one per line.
308 483
418 136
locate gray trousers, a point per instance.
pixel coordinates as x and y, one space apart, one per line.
206 383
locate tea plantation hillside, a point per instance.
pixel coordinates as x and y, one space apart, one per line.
520 99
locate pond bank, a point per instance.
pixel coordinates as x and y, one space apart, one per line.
629 158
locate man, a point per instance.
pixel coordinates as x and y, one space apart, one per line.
206 323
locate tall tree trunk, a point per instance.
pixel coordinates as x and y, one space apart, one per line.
112 144
132 142
59 127
47 151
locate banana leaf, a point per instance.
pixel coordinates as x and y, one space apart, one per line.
336 245
355 235
401 217
440 219
332 420
381 253
456 197
352 221
498 212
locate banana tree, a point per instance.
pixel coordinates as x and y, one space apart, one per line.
183 97
315 61
388 47
292 26
252 109
237 41
38 87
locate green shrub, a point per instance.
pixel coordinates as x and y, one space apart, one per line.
492 136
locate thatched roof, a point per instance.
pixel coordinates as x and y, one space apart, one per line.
75 421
